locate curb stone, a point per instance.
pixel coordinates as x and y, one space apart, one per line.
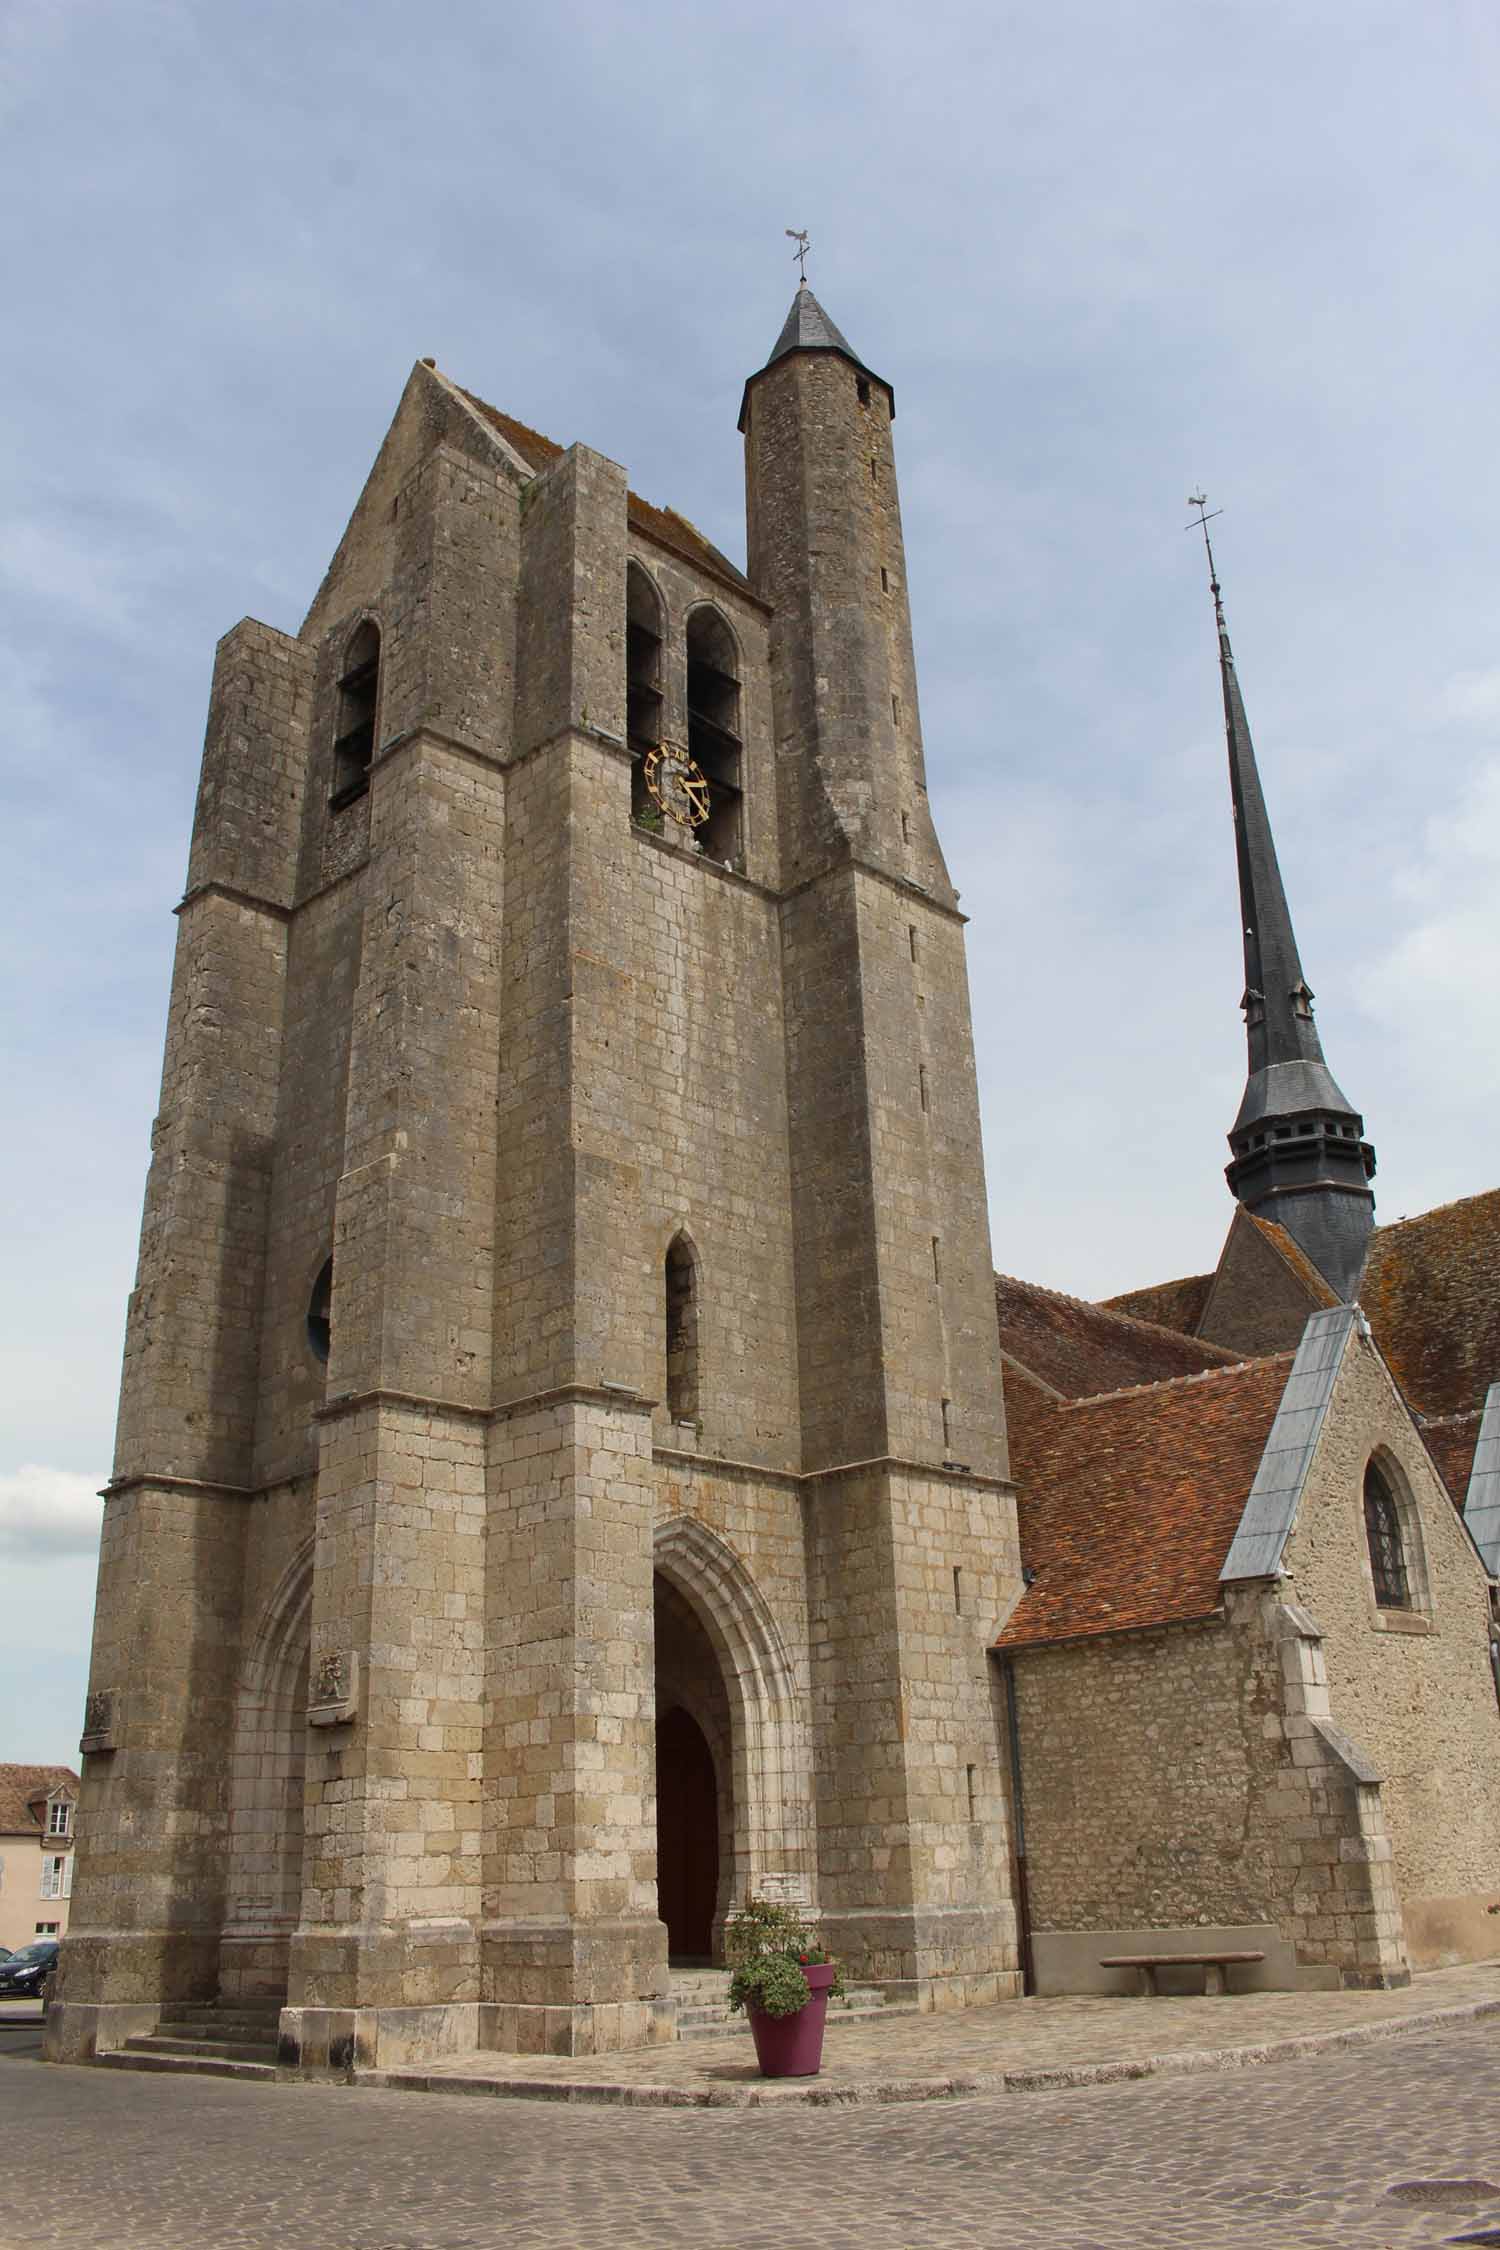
873 2092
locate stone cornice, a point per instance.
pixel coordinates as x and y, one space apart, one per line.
209 1490
236 897
901 884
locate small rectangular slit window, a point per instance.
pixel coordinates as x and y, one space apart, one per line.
969 1776
947 1425
937 1261
896 709
911 930
885 579
874 469
958 1595
922 1083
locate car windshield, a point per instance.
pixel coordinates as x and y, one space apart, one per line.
43 1950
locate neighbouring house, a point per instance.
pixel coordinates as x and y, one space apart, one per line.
38 1828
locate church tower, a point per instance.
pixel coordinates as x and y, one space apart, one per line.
561 1483
1298 1152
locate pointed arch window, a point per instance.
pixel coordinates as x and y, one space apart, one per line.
1387 1545
354 728
714 727
682 1330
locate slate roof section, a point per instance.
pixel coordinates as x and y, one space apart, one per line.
664 525
1079 1349
24 1791
1431 1290
808 328
1482 1507
1129 1503
1271 1509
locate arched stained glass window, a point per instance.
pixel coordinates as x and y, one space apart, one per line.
1387 1547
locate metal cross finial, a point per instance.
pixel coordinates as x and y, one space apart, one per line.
1201 522
799 236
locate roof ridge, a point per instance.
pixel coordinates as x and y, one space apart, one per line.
1108 1313
1175 1382
1455 1203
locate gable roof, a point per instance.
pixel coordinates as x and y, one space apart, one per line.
1270 1511
1079 1349
24 1789
1168 1304
1451 1441
663 525
1129 1503
1431 1290
1292 1254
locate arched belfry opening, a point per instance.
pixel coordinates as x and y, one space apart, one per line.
267 1779
715 736
733 1772
354 727
643 686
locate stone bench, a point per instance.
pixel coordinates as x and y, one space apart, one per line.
1213 1966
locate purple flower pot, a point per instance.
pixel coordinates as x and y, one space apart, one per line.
792 2046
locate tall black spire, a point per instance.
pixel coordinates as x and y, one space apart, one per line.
1299 1155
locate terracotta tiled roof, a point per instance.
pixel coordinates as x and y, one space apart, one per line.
1079 1349
1129 1504
24 1790
1322 1295
1431 1292
1451 1442
1170 1304
664 525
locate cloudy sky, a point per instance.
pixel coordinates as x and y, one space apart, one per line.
1102 252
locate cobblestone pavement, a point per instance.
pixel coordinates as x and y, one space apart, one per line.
989 2049
1294 2156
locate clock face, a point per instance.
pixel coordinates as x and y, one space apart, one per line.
676 783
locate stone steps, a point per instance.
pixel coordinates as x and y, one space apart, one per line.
134 2057
702 1998
232 2039
176 2041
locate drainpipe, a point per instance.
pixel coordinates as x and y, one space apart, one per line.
1018 1825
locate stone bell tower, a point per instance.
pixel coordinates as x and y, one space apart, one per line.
909 1513
561 1481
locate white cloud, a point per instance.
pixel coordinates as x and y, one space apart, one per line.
47 1512
1472 697
1434 985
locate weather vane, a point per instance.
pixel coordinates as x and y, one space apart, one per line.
799 236
1201 522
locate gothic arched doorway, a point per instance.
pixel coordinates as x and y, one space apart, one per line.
266 1786
687 1836
694 1809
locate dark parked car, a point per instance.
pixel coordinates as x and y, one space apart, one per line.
27 1971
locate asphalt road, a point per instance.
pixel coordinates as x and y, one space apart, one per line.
1394 2144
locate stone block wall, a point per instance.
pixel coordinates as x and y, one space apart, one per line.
1184 1777
1413 1686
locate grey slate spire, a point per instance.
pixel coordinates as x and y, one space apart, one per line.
807 328
1299 1156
